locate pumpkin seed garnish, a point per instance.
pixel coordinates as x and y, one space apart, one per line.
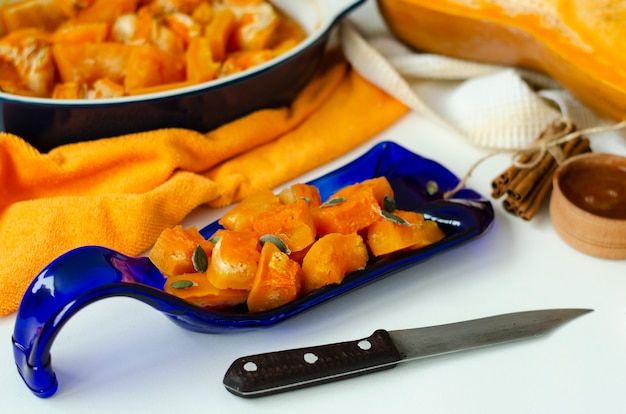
306 199
214 239
272 238
394 218
200 260
182 284
333 202
432 187
389 204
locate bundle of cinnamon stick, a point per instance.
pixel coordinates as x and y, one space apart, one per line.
527 183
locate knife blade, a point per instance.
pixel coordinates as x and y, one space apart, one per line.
275 372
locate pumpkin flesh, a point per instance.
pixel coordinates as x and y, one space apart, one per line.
331 258
278 280
245 264
547 39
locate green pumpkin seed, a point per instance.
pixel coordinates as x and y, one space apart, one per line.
271 238
389 204
200 260
333 202
432 187
394 218
182 284
214 239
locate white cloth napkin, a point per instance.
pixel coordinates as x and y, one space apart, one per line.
494 107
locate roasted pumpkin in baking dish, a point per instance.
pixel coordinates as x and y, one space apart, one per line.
279 247
73 49
579 43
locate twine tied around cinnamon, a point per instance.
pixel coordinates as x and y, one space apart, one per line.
529 179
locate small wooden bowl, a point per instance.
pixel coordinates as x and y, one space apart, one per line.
588 204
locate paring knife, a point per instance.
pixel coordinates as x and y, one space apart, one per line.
274 372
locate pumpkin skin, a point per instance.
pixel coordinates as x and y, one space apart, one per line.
486 32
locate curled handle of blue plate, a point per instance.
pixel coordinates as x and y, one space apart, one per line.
68 284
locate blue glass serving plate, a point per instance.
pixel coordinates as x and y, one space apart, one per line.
91 273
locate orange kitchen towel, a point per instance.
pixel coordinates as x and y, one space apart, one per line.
121 192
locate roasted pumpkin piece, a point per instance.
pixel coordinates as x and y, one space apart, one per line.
28 50
159 88
245 59
242 216
241 3
256 27
278 280
16 88
410 232
81 33
105 11
347 215
295 192
288 34
203 13
150 66
124 28
89 62
40 14
431 233
379 185
69 90
173 6
10 81
72 6
331 258
106 88
143 26
183 25
200 66
173 251
165 39
293 223
196 288
8 72
219 32
234 260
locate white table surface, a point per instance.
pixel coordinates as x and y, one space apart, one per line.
120 355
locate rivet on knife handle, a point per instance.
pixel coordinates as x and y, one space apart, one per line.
264 374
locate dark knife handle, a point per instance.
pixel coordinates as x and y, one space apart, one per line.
274 372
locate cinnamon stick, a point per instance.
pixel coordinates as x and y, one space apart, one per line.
527 187
502 181
513 175
528 207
